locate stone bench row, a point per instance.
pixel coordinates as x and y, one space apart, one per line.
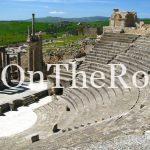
104 59
102 51
127 101
100 55
122 40
47 115
112 43
139 52
109 48
139 64
107 77
121 35
22 102
139 57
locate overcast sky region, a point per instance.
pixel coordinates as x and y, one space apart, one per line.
22 9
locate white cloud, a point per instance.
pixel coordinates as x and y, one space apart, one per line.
56 12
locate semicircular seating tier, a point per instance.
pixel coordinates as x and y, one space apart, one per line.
92 109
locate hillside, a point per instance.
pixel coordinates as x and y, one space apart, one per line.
59 19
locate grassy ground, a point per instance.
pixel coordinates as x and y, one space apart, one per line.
146 21
16 32
62 42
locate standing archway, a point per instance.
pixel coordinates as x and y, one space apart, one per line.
118 19
130 20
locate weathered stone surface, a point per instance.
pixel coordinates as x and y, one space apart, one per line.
35 138
126 22
98 118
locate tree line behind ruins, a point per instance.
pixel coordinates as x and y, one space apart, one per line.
13 32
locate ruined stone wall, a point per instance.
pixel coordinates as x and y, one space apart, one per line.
35 56
119 21
90 31
123 19
145 30
130 20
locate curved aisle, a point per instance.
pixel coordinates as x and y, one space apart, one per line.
48 113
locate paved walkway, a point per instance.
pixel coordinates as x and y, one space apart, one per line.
9 95
18 121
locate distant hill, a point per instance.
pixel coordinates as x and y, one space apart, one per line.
59 19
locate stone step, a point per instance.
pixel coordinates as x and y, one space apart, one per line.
121 35
132 61
123 40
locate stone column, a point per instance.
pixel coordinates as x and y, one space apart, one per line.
40 55
19 63
33 25
122 23
9 69
30 58
19 59
8 59
4 60
1 63
37 56
35 59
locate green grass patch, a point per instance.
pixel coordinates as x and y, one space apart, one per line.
16 32
13 32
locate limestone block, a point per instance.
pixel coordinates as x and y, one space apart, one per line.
147 135
35 138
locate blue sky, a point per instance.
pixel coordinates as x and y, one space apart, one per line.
22 9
